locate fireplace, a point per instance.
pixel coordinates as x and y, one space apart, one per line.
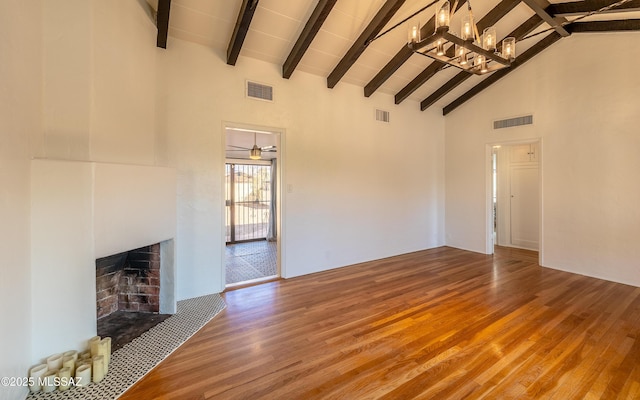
129 281
128 294
84 211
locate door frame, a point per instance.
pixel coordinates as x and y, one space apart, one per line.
489 193
280 199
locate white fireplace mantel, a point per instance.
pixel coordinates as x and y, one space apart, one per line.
82 211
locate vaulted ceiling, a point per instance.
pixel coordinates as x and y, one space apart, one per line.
338 39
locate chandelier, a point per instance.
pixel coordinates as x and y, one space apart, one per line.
473 53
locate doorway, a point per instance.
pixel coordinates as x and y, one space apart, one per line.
252 206
515 195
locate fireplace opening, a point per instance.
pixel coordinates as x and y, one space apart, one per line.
128 294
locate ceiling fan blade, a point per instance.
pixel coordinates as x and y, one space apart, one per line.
238 147
269 151
268 148
236 150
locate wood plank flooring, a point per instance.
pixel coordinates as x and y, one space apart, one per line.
436 324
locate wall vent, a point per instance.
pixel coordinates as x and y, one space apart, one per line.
382 115
259 91
511 122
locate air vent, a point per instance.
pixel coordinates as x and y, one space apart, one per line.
259 91
382 115
511 122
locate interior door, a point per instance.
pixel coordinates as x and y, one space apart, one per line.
524 206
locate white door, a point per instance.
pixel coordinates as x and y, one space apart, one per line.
524 207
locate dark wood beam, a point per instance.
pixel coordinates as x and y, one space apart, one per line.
378 22
584 7
523 30
496 76
606 26
400 58
243 22
162 21
444 89
488 20
319 15
541 11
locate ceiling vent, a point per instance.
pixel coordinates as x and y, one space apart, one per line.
259 91
382 115
511 122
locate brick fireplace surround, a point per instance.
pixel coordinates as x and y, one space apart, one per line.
129 281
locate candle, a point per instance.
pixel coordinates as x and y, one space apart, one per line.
69 362
71 353
98 368
49 381
83 375
108 340
65 378
85 355
54 362
105 351
94 346
36 373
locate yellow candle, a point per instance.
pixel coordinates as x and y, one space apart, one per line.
65 377
49 381
98 368
105 351
36 373
54 362
71 353
94 346
69 362
83 375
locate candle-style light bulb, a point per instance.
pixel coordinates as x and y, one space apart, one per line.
489 39
442 19
509 48
440 48
461 53
480 63
467 28
414 33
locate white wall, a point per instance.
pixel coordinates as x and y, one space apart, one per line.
586 112
99 69
362 190
20 119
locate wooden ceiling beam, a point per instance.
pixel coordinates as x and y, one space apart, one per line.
496 76
585 7
319 15
241 29
605 26
540 9
162 21
523 30
444 89
488 20
400 58
386 12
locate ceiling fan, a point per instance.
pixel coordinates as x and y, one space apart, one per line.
255 153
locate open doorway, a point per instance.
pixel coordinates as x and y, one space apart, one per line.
252 206
515 196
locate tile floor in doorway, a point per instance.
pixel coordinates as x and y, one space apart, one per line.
250 260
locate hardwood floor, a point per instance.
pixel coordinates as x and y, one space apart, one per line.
436 324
